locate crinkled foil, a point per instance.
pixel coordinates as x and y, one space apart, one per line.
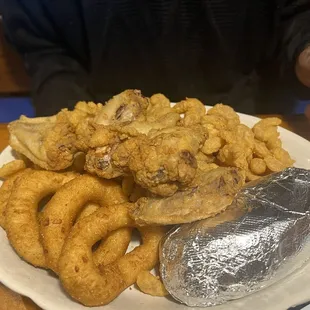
261 238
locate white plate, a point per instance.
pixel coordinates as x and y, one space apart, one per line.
45 290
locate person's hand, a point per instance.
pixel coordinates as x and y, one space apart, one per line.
302 67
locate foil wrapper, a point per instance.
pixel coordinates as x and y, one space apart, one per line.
263 237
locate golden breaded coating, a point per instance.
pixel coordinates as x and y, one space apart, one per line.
227 113
11 168
258 166
150 284
193 111
128 106
53 141
21 221
63 209
149 140
210 194
77 271
6 190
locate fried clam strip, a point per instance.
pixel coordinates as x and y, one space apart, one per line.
79 275
11 168
63 209
238 150
268 146
193 110
224 112
211 193
5 193
266 131
21 220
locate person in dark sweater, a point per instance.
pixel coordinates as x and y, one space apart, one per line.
253 55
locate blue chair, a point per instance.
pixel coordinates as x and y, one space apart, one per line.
12 107
301 106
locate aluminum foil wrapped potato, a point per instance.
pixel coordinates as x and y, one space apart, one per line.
261 238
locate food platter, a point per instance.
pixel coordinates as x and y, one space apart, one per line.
44 289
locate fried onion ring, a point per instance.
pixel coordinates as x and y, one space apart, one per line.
106 252
63 209
21 222
89 209
5 193
150 284
77 271
113 247
11 168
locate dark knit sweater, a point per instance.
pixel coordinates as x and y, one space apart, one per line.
240 52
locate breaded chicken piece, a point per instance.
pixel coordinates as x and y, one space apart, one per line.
162 161
166 161
52 142
211 193
125 107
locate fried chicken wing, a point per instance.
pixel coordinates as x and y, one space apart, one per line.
210 194
53 141
162 161
164 149
51 145
111 146
166 160
108 144
111 160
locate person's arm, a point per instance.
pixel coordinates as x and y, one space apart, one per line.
58 78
